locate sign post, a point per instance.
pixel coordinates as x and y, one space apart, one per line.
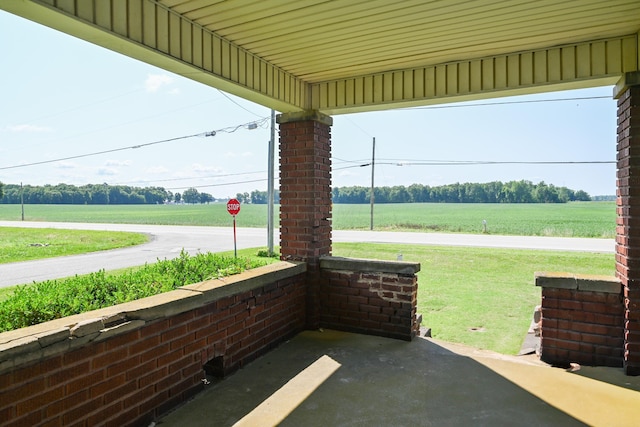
233 207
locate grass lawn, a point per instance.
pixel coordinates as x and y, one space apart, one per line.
491 290
23 244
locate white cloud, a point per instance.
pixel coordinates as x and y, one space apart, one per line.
200 169
157 170
66 165
117 163
155 81
107 171
234 154
29 128
174 91
346 173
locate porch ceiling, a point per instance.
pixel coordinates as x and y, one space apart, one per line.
355 55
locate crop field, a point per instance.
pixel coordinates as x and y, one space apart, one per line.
576 219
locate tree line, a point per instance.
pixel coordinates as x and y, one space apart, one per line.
491 192
97 194
104 194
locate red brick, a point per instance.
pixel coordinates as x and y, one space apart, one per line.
105 386
154 328
122 340
85 382
105 413
156 401
123 366
51 422
123 418
185 317
179 344
168 381
39 401
64 375
81 412
154 353
179 365
110 358
29 419
22 391
173 333
183 386
83 354
141 395
66 403
144 344
119 393
141 369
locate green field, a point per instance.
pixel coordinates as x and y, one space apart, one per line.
577 219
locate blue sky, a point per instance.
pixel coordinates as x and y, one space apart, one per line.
62 97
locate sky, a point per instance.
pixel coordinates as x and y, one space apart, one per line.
62 100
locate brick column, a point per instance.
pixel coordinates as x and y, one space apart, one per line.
305 196
628 214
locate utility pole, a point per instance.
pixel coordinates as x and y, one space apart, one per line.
22 200
373 165
270 180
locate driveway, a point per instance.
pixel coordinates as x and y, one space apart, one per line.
166 242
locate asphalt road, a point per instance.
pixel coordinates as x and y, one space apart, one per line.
167 241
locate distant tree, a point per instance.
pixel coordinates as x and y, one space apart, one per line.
1 193
177 197
582 196
206 198
259 197
191 195
243 198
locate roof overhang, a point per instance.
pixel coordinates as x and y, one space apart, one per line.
340 56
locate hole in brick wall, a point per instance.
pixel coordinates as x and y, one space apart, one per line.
215 367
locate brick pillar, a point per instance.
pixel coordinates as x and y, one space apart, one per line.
628 214
305 196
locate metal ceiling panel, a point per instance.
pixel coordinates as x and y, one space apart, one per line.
355 55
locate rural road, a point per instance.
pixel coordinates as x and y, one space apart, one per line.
167 241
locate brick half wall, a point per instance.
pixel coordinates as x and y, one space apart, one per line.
582 319
369 297
127 364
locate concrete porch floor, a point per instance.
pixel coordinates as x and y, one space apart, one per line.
330 378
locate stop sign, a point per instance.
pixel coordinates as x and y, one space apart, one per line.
233 207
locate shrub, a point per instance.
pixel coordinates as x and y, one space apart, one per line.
53 299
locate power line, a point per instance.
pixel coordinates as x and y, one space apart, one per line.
531 101
250 125
399 162
490 162
188 178
217 185
231 99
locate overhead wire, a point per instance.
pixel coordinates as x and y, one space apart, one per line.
133 147
190 178
486 104
238 104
